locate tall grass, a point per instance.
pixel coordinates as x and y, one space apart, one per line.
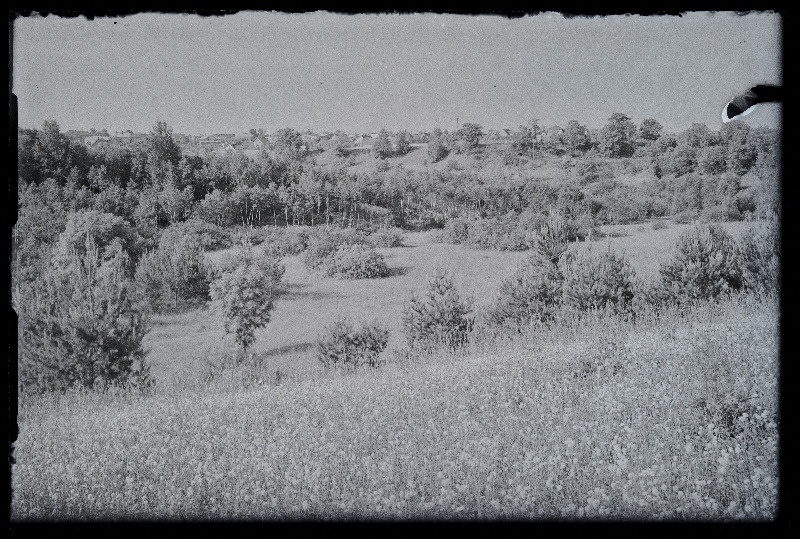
671 418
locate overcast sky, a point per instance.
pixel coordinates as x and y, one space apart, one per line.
361 73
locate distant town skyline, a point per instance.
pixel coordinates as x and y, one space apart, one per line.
327 72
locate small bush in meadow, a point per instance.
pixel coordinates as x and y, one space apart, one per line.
386 237
210 236
593 169
440 317
510 232
289 241
659 225
82 324
759 258
356 262
323 243
244 294
650 297
502 232
426 220
176 270
705 265
685 217
597 281
343 346
455 231
259 256
552 238
719 213
246 235
531 294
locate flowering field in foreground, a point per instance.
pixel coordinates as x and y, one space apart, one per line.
674 418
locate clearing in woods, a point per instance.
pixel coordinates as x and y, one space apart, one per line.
179 344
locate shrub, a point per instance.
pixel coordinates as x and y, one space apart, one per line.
452 165
343 346
604 281
356 262
437 146
441 317
455 231
175 270
509 232
685 217
650 297
551 240
426 220
591 169
323 243
285 241
210 236
658 224
718 213
502 232
531 294
104 229
386 237
759 258
261 258
245 235
83 327
244 296
705 265
617 203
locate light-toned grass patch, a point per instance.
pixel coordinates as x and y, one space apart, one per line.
598 419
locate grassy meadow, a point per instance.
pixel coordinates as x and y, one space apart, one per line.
670 418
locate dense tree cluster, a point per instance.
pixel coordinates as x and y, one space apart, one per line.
152 186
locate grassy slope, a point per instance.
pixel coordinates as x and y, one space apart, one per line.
179 345
666 419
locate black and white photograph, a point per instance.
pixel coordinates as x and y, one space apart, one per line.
396 267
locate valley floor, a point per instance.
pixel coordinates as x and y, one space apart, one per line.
669 418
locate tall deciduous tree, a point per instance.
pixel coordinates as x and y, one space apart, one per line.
469 135
161 145
437 145
383 146
403 143
650 130
288 144
576 137
617 136
696 135
522 141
